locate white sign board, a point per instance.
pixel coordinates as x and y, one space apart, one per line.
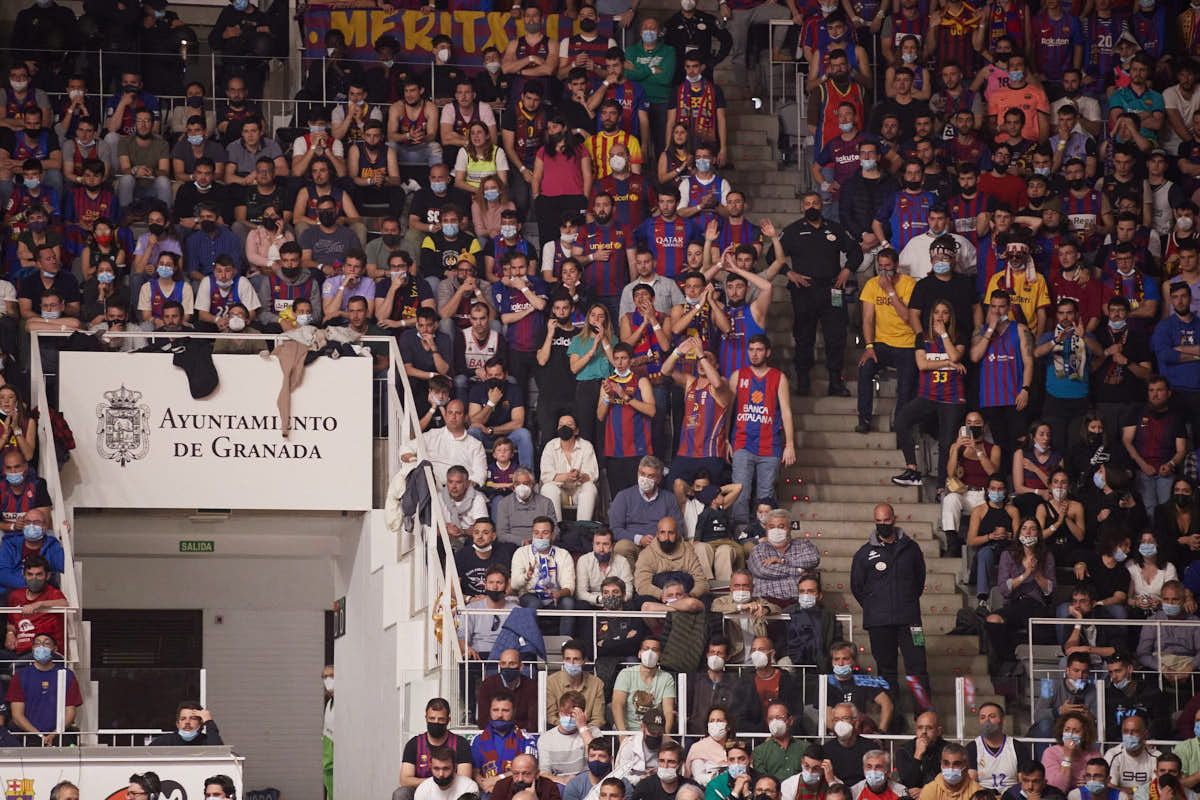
143 442
103 773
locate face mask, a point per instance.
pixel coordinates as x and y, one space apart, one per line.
508 231
33 532
693 79
668 546
491 195
759 659
208 225
566 723
807 601
740 596
812 214
736 770
492 66
868 164
1120 684
19 86
444 781
941 267
842 729
159 14
875 778
1196 730
717 729
646 484
240 5
524 492
1096 787
1076 183
649 37
649 658
909 58
1172 609
165 271
653 742
1117 324
777 536
438 187
541 545
574 670
951 775
1016 75
495 595
1041 170
989 728
598 768
611 601
195 139
568 238
885 530
1076 684
810 778
976 431
703 165
1183 500
1058 494
188 736
1184 224
443 55
1130 742
237 324
913 186
1148 549
996 497
450 229
777 727
327 217
32 183
716 663
509 675
51 314
42 654
588 25
105 277
843 670
1029 541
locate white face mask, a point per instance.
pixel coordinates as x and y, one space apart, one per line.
237 324
1059 494
443 55
759 659
646 484
807 601
740 596
777 727
492 66
328 681
717 729
617 163
1029 541
667 774
649 658
843 729
522 491
716 663
777 536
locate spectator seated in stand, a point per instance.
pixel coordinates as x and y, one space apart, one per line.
1031 782
668 556
32 695
544 575
30 537
445 781
194 727
517 512
479 631
33 599
593 569
745 612
778 562
846 751
524 781
638 754
416 764
1168 774
642 688
509 695
848 683
1173 650
877 783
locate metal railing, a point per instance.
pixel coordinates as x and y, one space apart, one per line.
65 647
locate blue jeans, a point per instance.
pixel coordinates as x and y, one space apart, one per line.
752 470
519 436
986 559
1153 490
566 625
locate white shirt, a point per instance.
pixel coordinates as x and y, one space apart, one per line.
484 114
915 260
1089 109
245 292
588 577
563 754
1129 771
445 450
1186 106
556 460
428 790
463 513
8 294
300 147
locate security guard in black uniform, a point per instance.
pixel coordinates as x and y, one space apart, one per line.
693 31
817 282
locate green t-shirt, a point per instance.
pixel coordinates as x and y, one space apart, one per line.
640 697
596 369
772 759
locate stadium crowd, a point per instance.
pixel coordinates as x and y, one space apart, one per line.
1013 225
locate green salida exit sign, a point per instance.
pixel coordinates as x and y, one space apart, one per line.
196 546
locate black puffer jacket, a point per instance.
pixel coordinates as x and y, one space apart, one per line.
887 580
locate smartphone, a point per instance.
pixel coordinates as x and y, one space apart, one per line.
962 432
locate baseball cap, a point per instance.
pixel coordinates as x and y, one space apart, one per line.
655 722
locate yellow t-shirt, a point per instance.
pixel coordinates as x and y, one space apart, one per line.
890 329
1028 297
599 147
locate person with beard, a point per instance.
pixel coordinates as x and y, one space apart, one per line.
373 168
444 781
398 294
1050 231
999 182
285 284
1071 280
863 193
416 765
904 215
144 163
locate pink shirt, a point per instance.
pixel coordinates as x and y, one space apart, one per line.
561 175
487 219
1055 774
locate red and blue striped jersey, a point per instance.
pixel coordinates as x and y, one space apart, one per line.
907 214
606 278
632 99
283 295
733 344
702 434
1003 369
647 351
668 241
940 385
81 207
218 303
501 248
953 39
632 197
1056 40
559 254
902 26
1100 44
699 192
525 335
758 424
158 299
1008 21
627 430
964 211
1081 212
734 233
13 505
1151 30
990 261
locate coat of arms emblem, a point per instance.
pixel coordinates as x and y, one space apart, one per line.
123 430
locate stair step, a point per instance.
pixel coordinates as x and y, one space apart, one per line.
824 530
848 457
975 666
848 547
946 602
862 477
841 423
818 404
836 439
754 122
749 138
864 511
755 193
835 571
743 153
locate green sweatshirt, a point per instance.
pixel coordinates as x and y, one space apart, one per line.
653 69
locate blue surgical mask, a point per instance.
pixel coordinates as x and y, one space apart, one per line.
438 187
1076 684
51 314
387 64
845 127
1072 737
42 654
909 58
48 275
240 5
1130 741
1016 75
33 532
1096 787
188 736
14 478
304 319
159 14
450 229
574 670
1041 171
941 267
703 164
541 545
951 775
1172 609
32 183
867 163
1195 730
195 139
736 770
508 231
567 723
105 277
1118 555
1148 549
1117 324
1120 684
165 271
1098 480
843 670
649 37
996 497
875 778
314 129
491 195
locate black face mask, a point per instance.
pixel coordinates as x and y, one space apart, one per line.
1094 439
763 796
1076 183
668 546
968 193
495 595
444 782
437 730
566 432
885 530
157 230
291 273
976 431
270 223
327 217
812 214
1183 500
587 25
653 742
391 239
520 786
913 186
208 225
564 321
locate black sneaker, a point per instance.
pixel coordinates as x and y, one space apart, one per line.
862 427
910 477
838 389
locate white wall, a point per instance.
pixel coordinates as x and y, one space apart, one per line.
269 582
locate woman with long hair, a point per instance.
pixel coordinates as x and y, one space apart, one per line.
479 158
1026 582
1031 469
675 161
1062 519
489 202
707 757
590 357
1148 571
19 426
102 243
1178 522
562 177
1105 570
1088 451
167 284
